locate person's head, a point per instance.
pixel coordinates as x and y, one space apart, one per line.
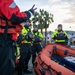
35 27
28 23
60 27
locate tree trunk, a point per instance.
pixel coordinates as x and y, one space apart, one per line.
45 35
41 30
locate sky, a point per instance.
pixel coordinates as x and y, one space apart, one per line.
63 11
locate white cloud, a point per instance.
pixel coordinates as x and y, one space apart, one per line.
63 10
53 1
71 19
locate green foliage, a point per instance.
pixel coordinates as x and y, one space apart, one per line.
43 18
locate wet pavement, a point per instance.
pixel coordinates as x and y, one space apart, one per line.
31 68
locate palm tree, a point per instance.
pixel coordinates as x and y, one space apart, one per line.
44 19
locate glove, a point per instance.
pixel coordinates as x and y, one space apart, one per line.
37 39
55 37
29 36
19 40
32 10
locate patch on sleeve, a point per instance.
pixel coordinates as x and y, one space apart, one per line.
13 5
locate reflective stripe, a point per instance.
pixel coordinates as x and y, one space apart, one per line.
13 5
59 40
17 53
38 34
25 42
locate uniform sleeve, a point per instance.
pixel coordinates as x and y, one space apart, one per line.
66 35
41 36
11 12
24 32
54 35
17 53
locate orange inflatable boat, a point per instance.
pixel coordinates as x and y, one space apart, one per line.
55 59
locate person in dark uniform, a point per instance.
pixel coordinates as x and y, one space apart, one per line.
10 19
60 36
37 47
25 49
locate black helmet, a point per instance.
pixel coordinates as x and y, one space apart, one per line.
35 26
59 25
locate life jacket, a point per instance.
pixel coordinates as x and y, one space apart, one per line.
7 9
60 36
11 27
37 35
25 33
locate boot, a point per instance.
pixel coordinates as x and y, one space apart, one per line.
27 72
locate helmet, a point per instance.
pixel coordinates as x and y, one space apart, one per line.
59 25
35 26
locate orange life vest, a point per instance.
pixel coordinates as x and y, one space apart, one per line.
11 27
7 9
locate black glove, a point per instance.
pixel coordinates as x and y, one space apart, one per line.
19 40
27 37
32 10
37 39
